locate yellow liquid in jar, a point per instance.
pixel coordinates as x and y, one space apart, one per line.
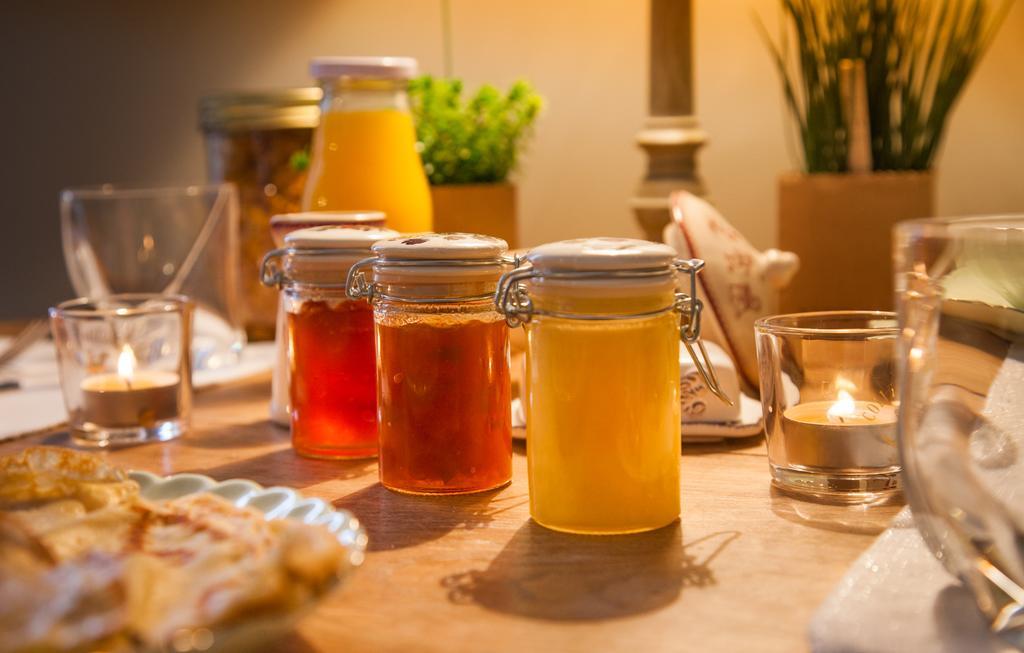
367 160
603 419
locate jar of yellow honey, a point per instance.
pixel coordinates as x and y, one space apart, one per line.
603 322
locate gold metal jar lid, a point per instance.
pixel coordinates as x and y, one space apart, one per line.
286 108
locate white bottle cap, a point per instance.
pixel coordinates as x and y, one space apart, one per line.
370 67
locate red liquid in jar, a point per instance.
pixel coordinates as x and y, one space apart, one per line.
444 407
333 380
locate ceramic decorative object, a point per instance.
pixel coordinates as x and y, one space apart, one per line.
740 283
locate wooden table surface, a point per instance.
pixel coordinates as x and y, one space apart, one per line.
744 569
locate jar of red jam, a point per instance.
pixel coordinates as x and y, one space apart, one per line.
443 362
332 364
280 226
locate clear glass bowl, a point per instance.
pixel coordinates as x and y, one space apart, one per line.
960 293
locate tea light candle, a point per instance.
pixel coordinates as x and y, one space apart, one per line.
841 434
128 398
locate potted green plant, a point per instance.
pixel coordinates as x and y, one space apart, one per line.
870 85
469 148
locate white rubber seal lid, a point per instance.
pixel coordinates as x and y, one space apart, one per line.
430 246
439 258
337 237
595 254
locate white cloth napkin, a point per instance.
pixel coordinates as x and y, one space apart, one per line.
897 597
38 404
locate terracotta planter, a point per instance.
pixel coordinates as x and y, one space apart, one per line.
841 228
477 208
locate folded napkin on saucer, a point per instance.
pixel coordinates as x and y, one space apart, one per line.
699 405
704 417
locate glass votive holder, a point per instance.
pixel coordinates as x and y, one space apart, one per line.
829 399
125 367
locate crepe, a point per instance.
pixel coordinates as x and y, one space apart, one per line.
86 564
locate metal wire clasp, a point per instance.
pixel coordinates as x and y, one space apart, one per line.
511 298
271 272
357 286
689 308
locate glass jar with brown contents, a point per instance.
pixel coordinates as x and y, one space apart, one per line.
260 141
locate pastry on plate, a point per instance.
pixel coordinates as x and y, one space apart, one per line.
87 564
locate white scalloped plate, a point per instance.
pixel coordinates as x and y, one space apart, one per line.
259 632
274 502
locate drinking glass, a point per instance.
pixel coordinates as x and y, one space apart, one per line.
170 241
960 292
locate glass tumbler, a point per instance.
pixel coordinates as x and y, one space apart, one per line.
829 402
960 294
124 366
170 241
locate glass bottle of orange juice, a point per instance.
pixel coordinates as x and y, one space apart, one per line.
364 154
603 324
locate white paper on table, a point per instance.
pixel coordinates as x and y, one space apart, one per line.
29 410
38 404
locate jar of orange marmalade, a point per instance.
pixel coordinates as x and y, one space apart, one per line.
332 365
443 362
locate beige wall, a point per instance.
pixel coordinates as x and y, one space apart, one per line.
106 90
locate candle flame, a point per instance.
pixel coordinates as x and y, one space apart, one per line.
126 363
843 408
